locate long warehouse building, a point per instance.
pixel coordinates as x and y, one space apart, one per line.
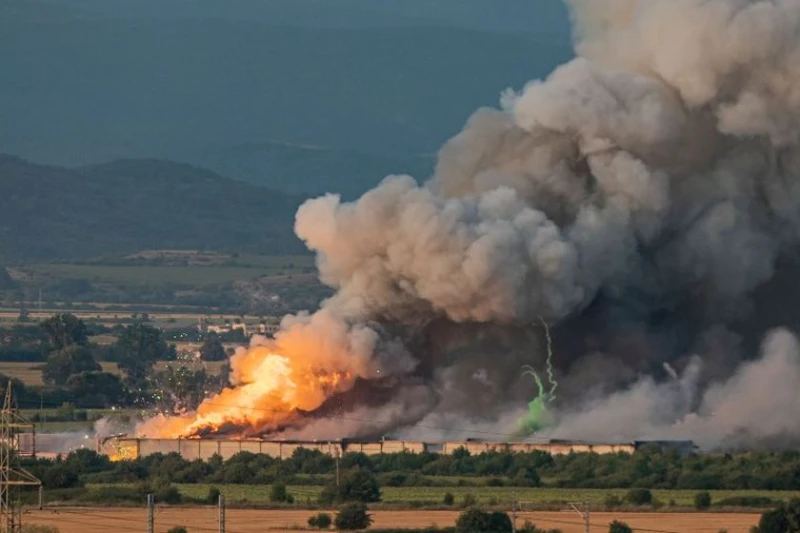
123 447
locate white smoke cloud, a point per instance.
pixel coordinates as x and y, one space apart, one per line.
758 403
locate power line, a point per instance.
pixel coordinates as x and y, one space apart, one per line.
81 512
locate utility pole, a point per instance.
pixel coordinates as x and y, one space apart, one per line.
336 457
221 513
151 519
12 476
514 514
584 515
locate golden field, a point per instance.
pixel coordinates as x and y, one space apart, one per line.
103 519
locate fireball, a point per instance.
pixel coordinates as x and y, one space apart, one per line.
268 389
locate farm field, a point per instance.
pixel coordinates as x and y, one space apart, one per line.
30 373
192 274
102 519
503 496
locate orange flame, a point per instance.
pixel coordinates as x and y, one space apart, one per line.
268 389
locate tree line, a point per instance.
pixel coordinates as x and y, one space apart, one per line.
651 468
71 369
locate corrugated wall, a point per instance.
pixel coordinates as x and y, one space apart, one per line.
192 449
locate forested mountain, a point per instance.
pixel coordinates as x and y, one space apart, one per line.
49 212
304 96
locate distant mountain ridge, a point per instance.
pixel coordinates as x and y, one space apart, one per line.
52 213
241 86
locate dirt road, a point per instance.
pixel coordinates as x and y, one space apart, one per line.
200 519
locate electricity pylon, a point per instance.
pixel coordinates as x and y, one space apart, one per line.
12 476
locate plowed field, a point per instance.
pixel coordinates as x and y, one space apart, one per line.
199 519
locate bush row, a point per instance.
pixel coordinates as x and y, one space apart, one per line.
648 469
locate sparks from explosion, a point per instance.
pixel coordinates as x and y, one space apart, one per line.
268 390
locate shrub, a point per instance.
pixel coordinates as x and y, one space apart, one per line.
479 521
499 522
639 497
612 501
781 519
278 494
359 486
527 477
702 500
352 516
61 476
213 495
111 494
747 501
468 500
619 527
168 494
320 521
529 527
355 486
448 499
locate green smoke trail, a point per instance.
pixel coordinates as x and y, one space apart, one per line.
538 415
549 361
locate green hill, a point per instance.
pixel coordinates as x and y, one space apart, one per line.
56 213
302 96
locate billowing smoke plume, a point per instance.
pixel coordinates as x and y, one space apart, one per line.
758 404
636 199
639 200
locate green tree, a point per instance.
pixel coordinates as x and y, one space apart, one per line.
352 516
98 389
783 519
702 500
213 495
612 501
478 521
66 362
279 494
356 485
65 330
61 476
320 521
212 348
527 477
138 348
639 497
359 486
619 527
499 522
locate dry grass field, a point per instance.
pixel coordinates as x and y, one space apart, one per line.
102 519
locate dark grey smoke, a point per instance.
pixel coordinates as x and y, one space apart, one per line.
638 199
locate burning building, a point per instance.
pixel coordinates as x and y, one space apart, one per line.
122 447
643 201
